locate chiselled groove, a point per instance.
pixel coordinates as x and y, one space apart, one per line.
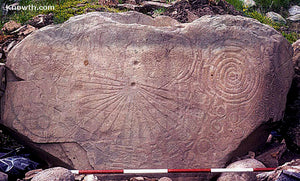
83 103
117 115
108 78
188 73
94 94
100 83
149 117
233 80
150 114
104 105
110 113
155 100
165 115
153 87
158 95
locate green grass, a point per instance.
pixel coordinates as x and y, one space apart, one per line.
238 5
160 11
265 6
263 19
291 37
272 5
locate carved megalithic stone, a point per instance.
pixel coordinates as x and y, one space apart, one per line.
109 91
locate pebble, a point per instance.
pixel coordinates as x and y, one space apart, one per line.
294 10
90 178
56 173
277 18
294 18
10 26
165 179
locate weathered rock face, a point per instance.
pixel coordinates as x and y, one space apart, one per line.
126 91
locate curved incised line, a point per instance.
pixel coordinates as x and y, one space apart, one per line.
189 73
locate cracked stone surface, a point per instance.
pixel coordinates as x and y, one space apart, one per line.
108 91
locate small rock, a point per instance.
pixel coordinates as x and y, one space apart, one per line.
27 30
3 38
294 10
276 17
128 6
156 5
56 173
294 18
249 3
80 5
247 163
10 26
41 20
291 167
165 179
3 176
79 177
11 45
90 178
191 16
137 179
108 2
29 175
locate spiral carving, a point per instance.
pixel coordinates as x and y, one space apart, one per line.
230 75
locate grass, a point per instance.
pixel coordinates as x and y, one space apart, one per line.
160 11
238 5
263 19
263 6
272 5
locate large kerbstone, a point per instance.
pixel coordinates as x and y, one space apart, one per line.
111 91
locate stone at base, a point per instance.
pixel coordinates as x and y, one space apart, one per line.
90 178
247 163
165 179
3 176
54 174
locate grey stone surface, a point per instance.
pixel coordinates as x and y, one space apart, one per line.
294 10
276 17
54 174
249 3
294 18
127 91
244 176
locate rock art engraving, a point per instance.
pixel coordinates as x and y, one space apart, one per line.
145 96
